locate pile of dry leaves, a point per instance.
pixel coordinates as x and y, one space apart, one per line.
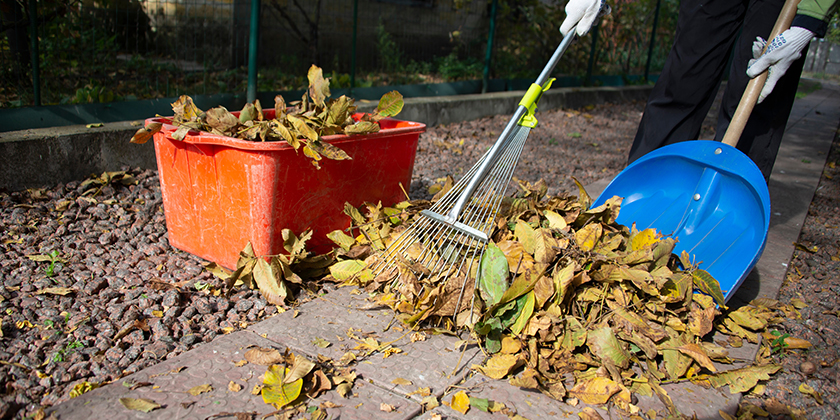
568 302
301 124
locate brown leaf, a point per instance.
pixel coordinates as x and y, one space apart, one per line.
696 352
263 356
386 407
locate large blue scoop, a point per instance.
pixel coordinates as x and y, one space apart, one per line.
707 194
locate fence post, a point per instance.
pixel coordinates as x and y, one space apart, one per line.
253 48
488 57
33 50
652 39
353 49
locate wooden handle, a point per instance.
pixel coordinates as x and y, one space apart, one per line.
750 96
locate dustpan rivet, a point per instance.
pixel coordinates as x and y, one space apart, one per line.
718 151
696 197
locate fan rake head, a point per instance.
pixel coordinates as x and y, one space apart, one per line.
445 243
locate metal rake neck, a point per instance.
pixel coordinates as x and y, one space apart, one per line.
501 142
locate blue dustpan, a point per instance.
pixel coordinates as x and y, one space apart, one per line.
708 195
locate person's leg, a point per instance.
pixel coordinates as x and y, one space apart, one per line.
763 132
681 98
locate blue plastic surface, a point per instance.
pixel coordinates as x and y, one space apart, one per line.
708 195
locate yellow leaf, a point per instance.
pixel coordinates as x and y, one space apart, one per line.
526 235
744 379
345 270
498 366
460 402
275 391
644 239
200 389
401 381
234 387
807 390
82 387
699 355
587 236
555 221
798 303
525 314
597 390
139 404
510 345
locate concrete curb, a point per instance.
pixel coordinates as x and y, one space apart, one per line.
46 156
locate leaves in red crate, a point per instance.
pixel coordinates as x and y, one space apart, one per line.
314 116
362 127
390 105
329 151
303 128
185 110
279 108
248 113
319 88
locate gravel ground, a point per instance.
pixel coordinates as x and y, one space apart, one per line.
136 301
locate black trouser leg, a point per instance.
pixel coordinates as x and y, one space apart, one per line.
681 98
766 125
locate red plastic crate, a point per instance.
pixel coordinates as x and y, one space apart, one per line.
220 192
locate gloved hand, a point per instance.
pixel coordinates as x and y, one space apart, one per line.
783 51
580 12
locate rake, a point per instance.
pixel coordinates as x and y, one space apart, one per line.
449 238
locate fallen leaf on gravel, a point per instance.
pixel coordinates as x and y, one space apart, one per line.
240 363
263 356
798 303
200 389
139 404
401 381
808 390
234 387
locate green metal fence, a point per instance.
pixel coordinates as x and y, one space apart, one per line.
64 52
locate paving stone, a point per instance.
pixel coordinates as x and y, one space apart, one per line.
215 365
435 363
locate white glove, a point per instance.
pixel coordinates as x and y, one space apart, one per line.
782 52
580 12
